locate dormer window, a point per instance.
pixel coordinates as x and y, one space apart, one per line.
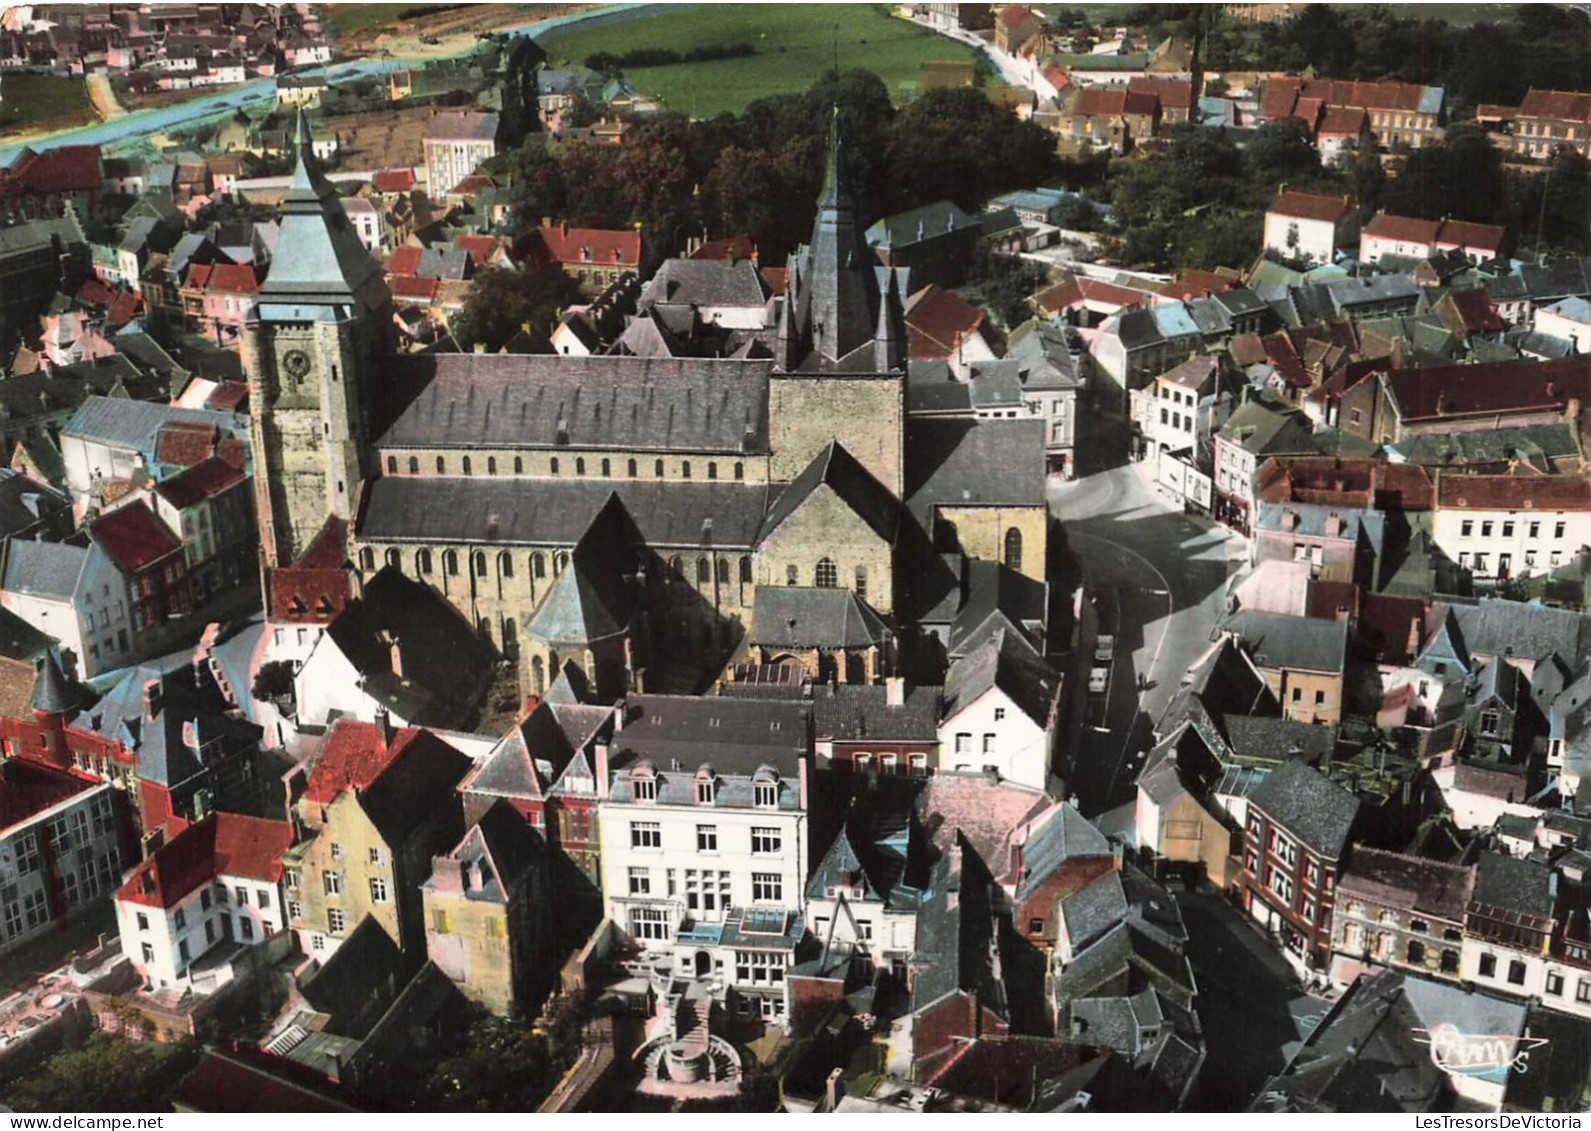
644 782
765 788
706 786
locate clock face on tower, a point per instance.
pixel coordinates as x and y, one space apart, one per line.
296 363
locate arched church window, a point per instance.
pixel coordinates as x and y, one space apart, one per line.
450 563
422 562
414 465
441 465
704 571
394 559
480 564
538 565
826 576
1013 549
392 465
367 558
466 465
505 564
745 570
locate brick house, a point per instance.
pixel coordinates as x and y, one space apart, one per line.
1296 835
1400 911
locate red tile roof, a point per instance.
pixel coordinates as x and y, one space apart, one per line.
481 249
1076 292
1343 121
66 168
1386 624
1057 77
565 245
1488 389
1328 481
228 844
1113 101
937 321
234 451
96 292
316 579
1515 492
471 185
233 278
133 537
414 287
405 260
1014 15
28 788
354 755
1176 94
1194 283
1562 105
185 445
199 275
1477 310
202 481
1282 95
124 309
1462 233
1405 228
732 248
1312 206
229 396
393 180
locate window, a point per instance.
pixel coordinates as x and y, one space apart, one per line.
1516 973
242 894
861 582
766 794
1013 549
645 789
1488 966
766 841
149 953
767 887
988 744
646 834
180 919
704 790
333 882
552 466
826 576
792 575
706 838
963 743
649 923
317 941
246 928
491 465
466 465
538 565
204 900
657 469
1486 530
1558 529
1467 529
479 563
685 469
1555 983
414 465
422 562
640 881
1582 992
1416 953
745 570
378 890
740 471
1490 720
704 571
1535 530
1508 530
630 469
336 921
712 470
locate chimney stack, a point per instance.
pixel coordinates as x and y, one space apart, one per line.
895 691
152 693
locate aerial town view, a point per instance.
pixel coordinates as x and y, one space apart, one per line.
795 558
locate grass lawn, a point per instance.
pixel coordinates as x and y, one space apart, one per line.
43 102
346 19
795 44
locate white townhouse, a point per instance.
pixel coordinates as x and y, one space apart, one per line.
1502 526
1001 704
702 817
215 886
1307 226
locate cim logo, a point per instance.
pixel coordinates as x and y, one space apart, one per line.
1476 1054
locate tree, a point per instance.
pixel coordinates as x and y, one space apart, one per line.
504 301
104 1074
274 680
1281 153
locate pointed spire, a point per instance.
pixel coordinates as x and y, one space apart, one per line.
836 186
307 177
52 692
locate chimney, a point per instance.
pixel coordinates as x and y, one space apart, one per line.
475 875
394 652
1290 520
383 721
895 691
599 758
152 692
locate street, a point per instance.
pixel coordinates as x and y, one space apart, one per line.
1164 574
1254 1013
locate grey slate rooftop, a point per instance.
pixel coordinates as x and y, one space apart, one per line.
1310 806
1276 640
547 401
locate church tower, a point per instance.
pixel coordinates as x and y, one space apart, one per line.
317 329
840 366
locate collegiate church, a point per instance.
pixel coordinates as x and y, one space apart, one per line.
655 520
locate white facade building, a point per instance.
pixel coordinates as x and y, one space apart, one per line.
1001 704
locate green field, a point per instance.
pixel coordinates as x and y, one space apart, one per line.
795 44
43 102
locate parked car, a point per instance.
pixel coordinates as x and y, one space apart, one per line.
1098 680
1104 649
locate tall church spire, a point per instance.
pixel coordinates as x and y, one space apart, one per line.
842 302
318 257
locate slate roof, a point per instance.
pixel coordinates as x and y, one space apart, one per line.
1497 387
735 736
193 714
837 469
513 512
922 223
592 600
1013 668
1513 885
1064 834
1091 911
50 569
952 463
1295 643
445 665
530 401
1430 887
955 930
801 618
706 282
1496 627
1277 739
136 425
1310 806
